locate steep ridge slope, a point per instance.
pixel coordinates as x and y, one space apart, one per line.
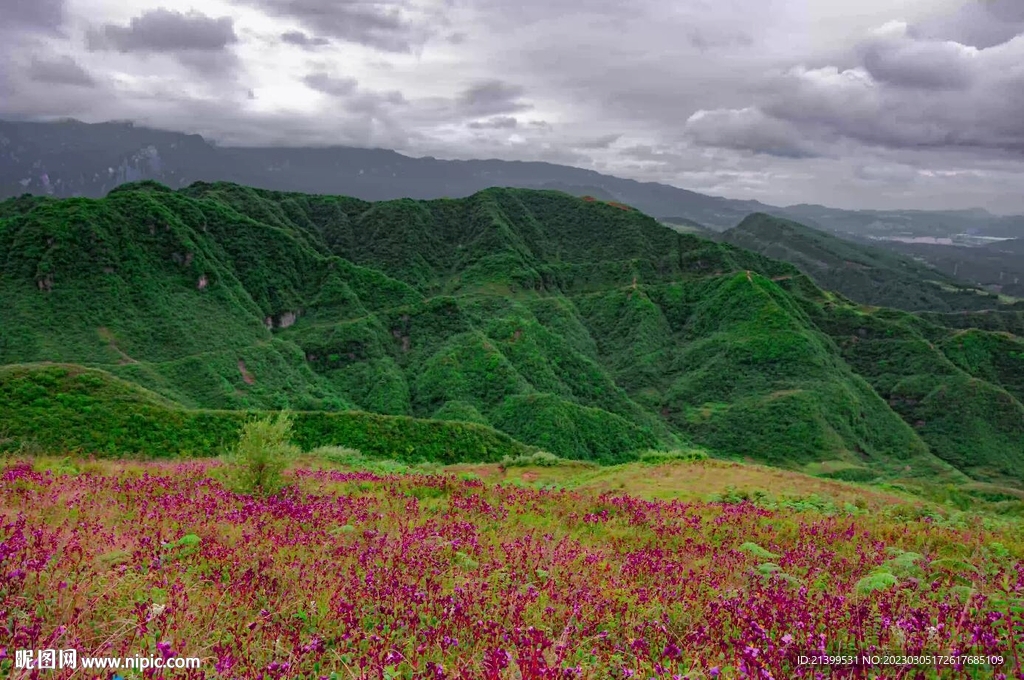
867 274
937 379
584 328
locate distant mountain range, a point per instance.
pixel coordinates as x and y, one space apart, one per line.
997 266
70 158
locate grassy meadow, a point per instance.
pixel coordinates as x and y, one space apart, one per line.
360 568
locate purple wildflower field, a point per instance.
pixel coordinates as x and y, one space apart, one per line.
361 575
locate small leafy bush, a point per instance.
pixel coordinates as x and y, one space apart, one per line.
880 580
263 452
653 457
855 474
757 551
339 455
354 458
538 459
735 496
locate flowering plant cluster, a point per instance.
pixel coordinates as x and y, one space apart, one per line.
360 575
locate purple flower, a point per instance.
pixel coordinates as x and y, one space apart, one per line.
224 664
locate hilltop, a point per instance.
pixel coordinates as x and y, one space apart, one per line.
583 328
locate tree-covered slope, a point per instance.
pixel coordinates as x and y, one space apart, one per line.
581 327
867 274
74 409
960 390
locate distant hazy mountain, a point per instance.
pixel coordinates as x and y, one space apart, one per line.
78 159
888 223
71 158
998 266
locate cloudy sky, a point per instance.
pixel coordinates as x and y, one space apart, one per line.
849 103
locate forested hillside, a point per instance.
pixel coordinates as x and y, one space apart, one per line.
584 328
864 273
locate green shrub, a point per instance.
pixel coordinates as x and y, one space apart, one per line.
877 581
854 474
354 458
538 459
757 551
339 455
261 455
653 457
735 496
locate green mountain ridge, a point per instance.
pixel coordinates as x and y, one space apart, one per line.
586 329
868 274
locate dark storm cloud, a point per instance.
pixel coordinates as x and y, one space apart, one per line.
661 155
32 15
375 23
978 107
59 71
332 85
902 92
497 123
927 64
162 30
979 23
376 104
705 40
365 104
887 174
302 40
748 129
602 142
491 97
